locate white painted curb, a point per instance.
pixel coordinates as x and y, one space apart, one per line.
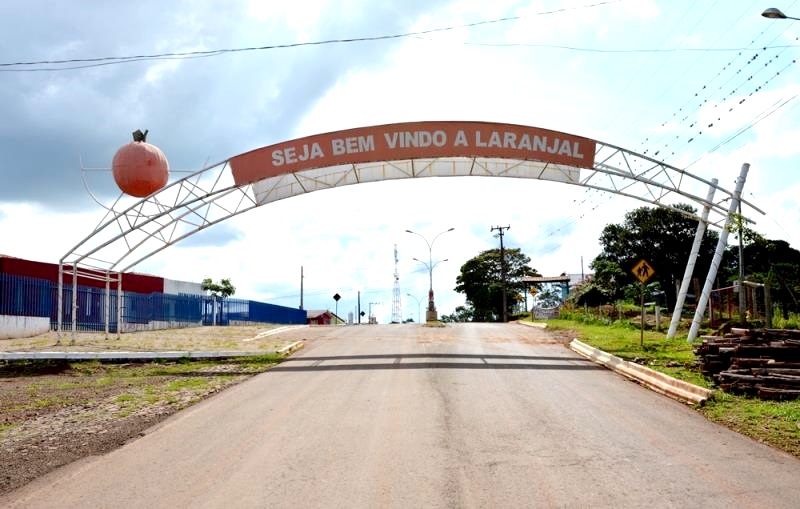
291 348
123 355
659 382
538 325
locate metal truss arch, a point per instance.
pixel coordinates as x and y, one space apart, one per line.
132 231
213 194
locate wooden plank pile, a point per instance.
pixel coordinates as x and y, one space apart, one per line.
758 362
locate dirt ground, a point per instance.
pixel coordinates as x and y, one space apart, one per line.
53 413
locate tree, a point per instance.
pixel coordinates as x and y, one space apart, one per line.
548 298
461 314
223 289
482 283
663 237
768 261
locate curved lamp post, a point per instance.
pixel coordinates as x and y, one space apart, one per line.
773 13
430 314
419 306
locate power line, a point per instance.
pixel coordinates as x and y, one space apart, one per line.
110 60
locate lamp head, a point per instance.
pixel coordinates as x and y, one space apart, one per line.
773 13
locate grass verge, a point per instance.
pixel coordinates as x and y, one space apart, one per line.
776 423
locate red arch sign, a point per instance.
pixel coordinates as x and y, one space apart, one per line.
413 140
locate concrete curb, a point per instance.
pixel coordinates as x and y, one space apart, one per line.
538 325
121 355
291 348
141 356
659 382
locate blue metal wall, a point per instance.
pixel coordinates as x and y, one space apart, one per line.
24 296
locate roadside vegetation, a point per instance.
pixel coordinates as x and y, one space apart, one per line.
776 423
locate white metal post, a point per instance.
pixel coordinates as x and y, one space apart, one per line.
723 241
74 300
60 300
687 276
106 310
120 300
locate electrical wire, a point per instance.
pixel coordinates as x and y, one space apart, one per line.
110 60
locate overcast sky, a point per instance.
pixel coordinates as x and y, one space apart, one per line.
703 85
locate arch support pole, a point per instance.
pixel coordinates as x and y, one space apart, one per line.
687 276
74 301
715 262
60 300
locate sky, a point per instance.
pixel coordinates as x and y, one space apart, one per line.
704 86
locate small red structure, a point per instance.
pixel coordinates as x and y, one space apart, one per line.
322 317
139 168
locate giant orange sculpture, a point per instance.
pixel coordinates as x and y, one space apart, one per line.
139 168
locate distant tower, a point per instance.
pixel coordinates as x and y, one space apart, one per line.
396 292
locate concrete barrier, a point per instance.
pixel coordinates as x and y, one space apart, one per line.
659 382
23 326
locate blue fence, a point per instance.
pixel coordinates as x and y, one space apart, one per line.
24 296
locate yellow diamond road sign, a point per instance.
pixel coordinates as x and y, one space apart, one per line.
643 271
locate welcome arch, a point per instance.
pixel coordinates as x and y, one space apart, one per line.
126 237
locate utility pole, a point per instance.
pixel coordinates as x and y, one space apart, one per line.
501 231
301 288
396 318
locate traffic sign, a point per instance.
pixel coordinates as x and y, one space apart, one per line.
643 271
337 297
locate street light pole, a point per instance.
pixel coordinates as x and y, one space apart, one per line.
419 306
430 314
501 230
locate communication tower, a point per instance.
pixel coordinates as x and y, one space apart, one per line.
396 291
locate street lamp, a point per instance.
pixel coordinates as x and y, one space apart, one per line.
430 314
419 305
773 13
372 319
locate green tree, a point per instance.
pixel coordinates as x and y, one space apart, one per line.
768 261
461 314
663 237
482 283
221 290
548 298
608 278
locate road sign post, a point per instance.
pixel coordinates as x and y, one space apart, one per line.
336 297
643 272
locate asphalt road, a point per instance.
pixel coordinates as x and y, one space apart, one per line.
475 415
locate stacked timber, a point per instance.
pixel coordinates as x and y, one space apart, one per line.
758 362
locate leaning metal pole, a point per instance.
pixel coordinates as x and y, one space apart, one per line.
687 276
723 241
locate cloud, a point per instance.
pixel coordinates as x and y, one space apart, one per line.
197 110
